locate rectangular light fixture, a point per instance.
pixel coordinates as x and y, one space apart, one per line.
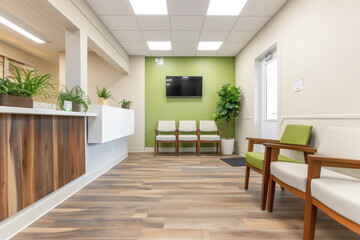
159 45
226 7
149 7
209 46
21 27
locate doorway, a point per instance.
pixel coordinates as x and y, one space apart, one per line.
266 95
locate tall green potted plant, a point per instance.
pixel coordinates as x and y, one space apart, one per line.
228 108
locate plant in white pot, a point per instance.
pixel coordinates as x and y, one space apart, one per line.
228 108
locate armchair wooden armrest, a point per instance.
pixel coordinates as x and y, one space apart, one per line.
219 132
253 141
156 132
301 148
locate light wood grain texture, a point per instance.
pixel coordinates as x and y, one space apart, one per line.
185 197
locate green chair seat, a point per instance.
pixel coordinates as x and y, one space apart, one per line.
256 159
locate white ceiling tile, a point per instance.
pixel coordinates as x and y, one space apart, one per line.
186 23
157 35
184 45
185 36
128 36
220 23
262 7
188 7
183 53
161 53
139 53
232 46
111 7
250 23
228 53
213 35
240 36
153 22
135 46
114 23
206 53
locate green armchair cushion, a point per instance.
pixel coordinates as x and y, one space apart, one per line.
296 134
256 159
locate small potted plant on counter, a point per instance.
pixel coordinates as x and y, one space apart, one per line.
228 108
73 100
126 104
18 91
103 95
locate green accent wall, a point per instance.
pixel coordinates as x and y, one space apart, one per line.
216 71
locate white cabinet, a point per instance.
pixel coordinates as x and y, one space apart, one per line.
111 123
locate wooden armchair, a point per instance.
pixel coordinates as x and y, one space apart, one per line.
295 135
209 126
338 198
168 127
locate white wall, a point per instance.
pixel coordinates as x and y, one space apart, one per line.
131 87
316 39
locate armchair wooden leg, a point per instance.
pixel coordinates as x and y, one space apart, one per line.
198 148
264 189
217 147
177 148
155 148
309 219
247 176
220 149
271 194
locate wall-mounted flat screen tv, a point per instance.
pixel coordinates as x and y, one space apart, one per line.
183 86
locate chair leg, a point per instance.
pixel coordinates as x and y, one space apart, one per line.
264 189
309 219
198 148
247 176
220 149
271 194
177 148
155 148
217 147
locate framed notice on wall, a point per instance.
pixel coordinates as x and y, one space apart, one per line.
298 84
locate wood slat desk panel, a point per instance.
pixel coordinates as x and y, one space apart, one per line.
38 155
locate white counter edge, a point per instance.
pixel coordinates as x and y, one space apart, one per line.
36 111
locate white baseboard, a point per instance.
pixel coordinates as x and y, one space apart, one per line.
136 149
181 149
16 223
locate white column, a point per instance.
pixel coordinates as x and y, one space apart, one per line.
76 59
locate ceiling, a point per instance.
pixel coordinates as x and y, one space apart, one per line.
185 25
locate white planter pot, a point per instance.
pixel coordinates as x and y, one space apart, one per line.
227 146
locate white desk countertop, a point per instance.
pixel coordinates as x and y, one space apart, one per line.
35 111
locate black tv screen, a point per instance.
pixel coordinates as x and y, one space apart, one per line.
183 86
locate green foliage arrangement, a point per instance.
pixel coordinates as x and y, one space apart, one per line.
32 85
76 95
228 105
127 103
103 93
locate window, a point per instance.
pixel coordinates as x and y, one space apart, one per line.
6 67
1 67
271 88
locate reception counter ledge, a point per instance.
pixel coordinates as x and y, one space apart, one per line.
40 151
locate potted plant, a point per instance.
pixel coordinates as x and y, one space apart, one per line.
103 95
76 96
126 104
228 108
16 91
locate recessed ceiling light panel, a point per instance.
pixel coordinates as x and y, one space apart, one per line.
159 45
209 46
149 7
226 7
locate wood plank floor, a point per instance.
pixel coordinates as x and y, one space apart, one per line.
185 197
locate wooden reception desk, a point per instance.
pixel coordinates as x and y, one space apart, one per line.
40 151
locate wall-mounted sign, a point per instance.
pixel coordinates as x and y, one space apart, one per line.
298 84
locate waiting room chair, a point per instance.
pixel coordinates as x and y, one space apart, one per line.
167 127
293 177
339 198
294 135
208 127
188 127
